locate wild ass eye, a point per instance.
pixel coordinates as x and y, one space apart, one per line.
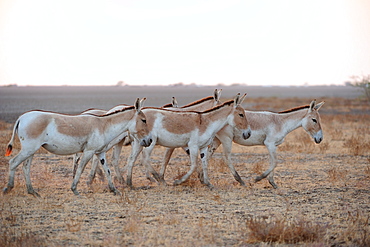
144 120
241 115
314 120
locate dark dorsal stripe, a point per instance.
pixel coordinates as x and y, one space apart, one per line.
167 105
294 109
197 102
118 111
227 103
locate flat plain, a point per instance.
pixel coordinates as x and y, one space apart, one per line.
323 197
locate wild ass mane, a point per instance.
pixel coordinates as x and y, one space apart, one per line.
226 103
294 109
198 102
190 104
166 105
118 111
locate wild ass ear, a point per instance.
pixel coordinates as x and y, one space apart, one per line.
139 104
174 102
318 106
238 100
312 105
142 102
242 99
217 95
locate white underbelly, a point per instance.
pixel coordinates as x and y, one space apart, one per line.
64 145
255 139
173 140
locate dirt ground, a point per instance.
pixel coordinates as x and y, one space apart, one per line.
323 197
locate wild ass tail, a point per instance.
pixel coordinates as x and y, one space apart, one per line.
10 144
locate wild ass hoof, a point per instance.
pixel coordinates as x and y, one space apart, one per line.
242 183
258 178
177 182
117 192
151 179
6 190
210 186
129 184
75 192
273 184
34 193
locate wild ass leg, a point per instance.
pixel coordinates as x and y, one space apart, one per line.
94 169
270 178
215 144
115 161
76 159
272 153
26 171
85 158
193 159
166 160
227 145
204 159
135 151
103 162
13 164
149 169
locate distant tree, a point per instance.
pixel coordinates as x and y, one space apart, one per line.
179 84
120 83
362 82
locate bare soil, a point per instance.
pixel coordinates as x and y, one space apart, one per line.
324 190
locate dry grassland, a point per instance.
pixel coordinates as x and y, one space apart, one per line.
323 198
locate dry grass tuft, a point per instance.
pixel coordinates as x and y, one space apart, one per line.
280 230
74 224
367 170
357 145
357 230
10 237
132 225
336 174
324 147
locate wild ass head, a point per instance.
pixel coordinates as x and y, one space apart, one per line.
239 121
312 122
140 128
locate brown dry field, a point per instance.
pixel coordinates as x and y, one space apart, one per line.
323 198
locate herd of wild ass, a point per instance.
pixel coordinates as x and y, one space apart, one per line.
199 128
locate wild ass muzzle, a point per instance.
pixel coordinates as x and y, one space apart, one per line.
67 134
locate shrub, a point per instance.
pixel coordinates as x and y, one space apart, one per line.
279 230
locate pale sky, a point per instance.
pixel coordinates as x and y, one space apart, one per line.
161 42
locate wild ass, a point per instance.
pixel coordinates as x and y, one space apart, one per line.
194 130
270 129
123 139
199 105
66 134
